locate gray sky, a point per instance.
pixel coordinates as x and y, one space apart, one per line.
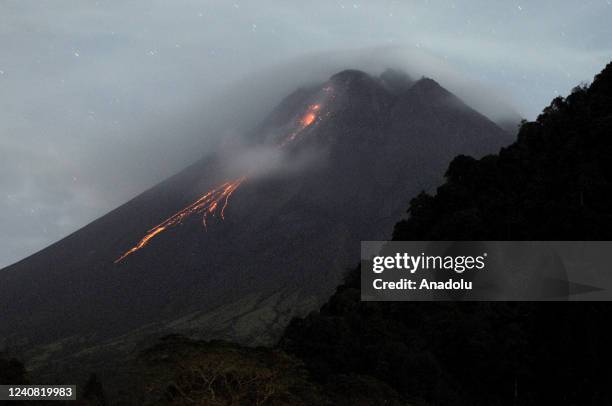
100 100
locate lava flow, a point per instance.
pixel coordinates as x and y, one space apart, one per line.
305 121
208 204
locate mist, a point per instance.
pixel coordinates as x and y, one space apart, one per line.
101 100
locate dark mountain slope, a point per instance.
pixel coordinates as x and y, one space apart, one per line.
350 153
554 183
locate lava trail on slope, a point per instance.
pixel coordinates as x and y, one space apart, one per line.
209 203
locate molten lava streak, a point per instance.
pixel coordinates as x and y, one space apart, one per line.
310 116
208 204
305 121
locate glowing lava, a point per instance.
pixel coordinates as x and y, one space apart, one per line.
310 116
208 205
305 121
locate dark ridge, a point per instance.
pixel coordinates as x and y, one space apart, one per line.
429 86
349 76
357 84
396 81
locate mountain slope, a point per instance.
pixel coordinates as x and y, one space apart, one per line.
339 162
554 183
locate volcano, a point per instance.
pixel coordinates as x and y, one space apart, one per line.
227 250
